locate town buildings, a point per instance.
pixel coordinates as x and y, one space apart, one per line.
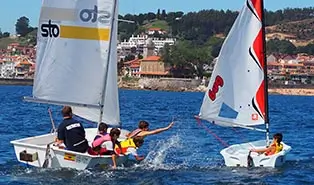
18 61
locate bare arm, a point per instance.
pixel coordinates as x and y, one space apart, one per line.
139 158
156 131
271 148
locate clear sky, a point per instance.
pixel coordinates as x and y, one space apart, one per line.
11 10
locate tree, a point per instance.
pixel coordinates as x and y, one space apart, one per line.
22 26
163 15
151 16
158 14
5 34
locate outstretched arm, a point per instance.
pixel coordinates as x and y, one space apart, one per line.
263 150
156 131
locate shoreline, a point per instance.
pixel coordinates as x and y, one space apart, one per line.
282 90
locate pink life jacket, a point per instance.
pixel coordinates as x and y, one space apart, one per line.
103 138
135 133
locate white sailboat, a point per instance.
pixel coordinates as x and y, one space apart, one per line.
76 65
239 85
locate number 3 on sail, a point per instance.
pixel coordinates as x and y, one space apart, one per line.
239 83
219 82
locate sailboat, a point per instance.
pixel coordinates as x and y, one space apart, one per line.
76 65
237 93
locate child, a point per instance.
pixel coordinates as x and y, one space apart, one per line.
104 145
274 148
144 131
130 146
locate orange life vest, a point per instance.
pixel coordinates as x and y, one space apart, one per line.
278 148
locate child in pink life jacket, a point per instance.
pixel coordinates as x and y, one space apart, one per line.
104 143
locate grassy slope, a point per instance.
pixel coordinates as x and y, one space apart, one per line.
158 24
4 42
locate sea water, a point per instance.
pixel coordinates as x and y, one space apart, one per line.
185 154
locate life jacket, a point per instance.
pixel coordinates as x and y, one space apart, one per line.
97 142
278 148
135 133
96 148
128 143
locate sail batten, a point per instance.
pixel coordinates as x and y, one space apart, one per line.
73 57
238 77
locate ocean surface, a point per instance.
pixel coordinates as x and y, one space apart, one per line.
185 154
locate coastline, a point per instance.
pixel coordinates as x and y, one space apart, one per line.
282 90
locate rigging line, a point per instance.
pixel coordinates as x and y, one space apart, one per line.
199 122
242 137
54 129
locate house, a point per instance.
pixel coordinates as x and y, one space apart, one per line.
152 31
23 68
132 67
153 67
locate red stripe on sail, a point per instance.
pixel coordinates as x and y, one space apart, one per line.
260 97
257 7
258 49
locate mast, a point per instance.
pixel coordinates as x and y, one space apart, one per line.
265 74
102 101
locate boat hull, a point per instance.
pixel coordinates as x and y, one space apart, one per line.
33 151
237 155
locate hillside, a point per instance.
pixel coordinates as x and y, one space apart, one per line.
29 39
4 42
157 24
301 30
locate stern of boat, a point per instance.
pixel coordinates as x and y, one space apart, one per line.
237 155
32 150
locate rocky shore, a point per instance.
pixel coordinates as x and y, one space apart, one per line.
292 91
176 85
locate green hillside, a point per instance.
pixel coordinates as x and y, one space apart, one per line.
157 24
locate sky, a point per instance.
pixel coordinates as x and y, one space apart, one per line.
11 10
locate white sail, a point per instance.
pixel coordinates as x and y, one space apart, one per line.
237 80
72 56
111 109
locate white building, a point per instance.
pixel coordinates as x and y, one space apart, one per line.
7 69
139 43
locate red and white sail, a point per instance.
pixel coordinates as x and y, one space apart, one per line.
237 81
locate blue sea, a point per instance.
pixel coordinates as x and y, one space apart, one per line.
185 154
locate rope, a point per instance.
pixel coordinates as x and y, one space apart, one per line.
199 122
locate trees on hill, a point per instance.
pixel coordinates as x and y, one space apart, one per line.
22 27
4 34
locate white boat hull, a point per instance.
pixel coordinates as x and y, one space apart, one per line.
34 148
237 155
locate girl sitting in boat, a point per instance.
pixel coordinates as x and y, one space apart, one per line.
274 148
104 144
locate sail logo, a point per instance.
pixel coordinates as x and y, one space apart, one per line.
93 15
254 117
219 82
50 30
55 23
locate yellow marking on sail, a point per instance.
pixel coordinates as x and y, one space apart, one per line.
87 33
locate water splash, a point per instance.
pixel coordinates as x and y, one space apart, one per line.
156 157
